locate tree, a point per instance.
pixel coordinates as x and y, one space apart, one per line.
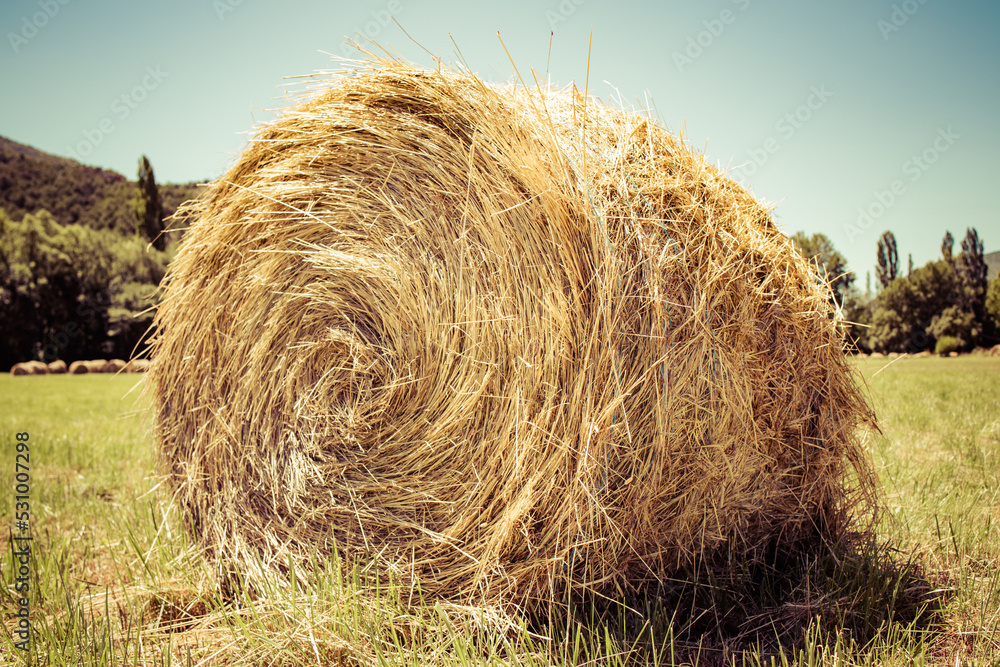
909 265
972 270
51 287
888 332
906 310
149 206
830 264
888 259
947 246
59 282
857 311
954 322
993 303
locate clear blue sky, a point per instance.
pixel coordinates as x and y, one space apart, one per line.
824 105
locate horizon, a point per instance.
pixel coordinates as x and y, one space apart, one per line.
853 119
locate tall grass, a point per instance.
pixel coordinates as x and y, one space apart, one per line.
116 580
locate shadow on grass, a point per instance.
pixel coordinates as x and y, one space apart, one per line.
860 596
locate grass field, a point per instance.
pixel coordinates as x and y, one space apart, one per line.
115 580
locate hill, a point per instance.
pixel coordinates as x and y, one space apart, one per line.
31 180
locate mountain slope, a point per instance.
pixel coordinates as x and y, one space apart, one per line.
31 180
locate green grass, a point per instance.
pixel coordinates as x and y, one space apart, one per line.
115 579
940 467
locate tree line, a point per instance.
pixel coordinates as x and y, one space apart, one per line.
947 305
70 291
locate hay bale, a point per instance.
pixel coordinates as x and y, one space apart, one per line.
114 366
95 365
89 366
57 367
137 366
29 368
421 319
37 367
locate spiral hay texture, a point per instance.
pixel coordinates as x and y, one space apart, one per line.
499 343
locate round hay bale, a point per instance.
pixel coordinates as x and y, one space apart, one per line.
423 320
114 366
96 365
57 367
20 369
78 368
37 367
137 366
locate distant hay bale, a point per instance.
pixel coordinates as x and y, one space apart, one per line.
78 368
114 366
57 367
29 368
137 366
96 365
37 367
423 319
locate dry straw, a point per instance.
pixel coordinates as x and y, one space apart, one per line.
503 343
58 366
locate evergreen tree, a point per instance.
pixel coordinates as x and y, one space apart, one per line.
947 246
888 259
909 265
971 269
149 206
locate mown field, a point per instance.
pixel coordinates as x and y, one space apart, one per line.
115 580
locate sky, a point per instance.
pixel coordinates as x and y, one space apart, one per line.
851 117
